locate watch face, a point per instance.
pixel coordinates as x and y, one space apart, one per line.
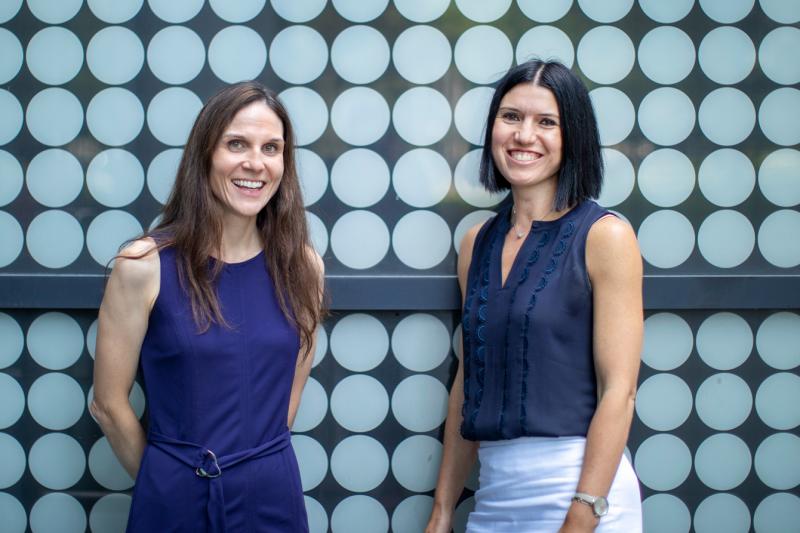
600 506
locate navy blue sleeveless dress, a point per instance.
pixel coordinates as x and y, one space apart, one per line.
218 455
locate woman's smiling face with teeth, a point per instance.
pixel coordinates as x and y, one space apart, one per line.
526 136
247 163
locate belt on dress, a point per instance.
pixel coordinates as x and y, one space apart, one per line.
208 465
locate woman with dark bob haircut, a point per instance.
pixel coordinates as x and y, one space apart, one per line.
218 306
552 327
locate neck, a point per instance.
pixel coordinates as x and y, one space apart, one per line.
530 206
240 239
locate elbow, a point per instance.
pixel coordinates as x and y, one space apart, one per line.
103 412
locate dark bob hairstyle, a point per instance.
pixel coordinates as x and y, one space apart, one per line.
581 174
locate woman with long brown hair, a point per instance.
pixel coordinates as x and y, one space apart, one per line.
218 305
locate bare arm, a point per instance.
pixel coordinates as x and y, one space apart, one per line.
615 270
458 454
122 323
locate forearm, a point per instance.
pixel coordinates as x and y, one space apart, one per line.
458 458
125 434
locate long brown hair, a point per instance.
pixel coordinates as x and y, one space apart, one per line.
191 221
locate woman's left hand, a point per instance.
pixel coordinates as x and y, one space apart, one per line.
579 519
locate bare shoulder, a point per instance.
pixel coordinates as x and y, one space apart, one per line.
611 244
137 265
316 260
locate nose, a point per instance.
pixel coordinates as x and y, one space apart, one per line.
253 161
526 133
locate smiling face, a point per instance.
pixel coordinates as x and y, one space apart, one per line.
247 162
526 137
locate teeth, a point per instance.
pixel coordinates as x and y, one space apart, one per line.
523 156
248 184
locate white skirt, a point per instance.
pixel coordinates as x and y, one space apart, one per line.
526 486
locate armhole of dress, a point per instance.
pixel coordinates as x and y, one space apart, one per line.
604 214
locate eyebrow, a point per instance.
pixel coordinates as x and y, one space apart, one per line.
514 109
234 134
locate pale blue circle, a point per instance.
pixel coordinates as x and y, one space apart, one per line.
415 463
470 114
663 462
313 407
606 11
318 233
422 116
545 42
726 55
777 177
722 462
411 515
606 54
12 58
308 111
549 11
422 10
55 340
54 177
421 54
298 54
54 239
726 177
657 414
12 181
8 11
360 177
467 184
666 238
360 116
666 55
778 401
237 12
115 177
12 238
295 11
12 468
359 11
359 342
779 116
668 341
312 460
776 55
106 468
359 403
226 59
57 461
420 342
115 116
12 403
778 461
321 347
778 340
313 175
723 401
13 340
115 55
176 55
359 463
724 340
58 512
11 111
14 518
359 514
54 55
462 513
55 401
110 513
421 239
784 11
419 403
726 11
161 173
665 513
615 114
464 225
666 116
54 11
115 11
726 238
175 12
171 113
722 512
421 177
483 54
618 180
481 11
108 231
666 12
360 54
775 511
317 517
777 238
54 117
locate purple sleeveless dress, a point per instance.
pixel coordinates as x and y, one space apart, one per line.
218 455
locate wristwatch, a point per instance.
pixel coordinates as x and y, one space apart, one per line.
598 504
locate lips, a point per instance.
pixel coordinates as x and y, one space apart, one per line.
523 155
252 185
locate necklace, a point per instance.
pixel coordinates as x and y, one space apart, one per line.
521 233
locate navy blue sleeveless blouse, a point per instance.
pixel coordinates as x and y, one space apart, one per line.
528 360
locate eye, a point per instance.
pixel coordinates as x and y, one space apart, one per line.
271 148
235 144
549 122
510 116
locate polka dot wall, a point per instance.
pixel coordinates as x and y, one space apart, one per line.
699 114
